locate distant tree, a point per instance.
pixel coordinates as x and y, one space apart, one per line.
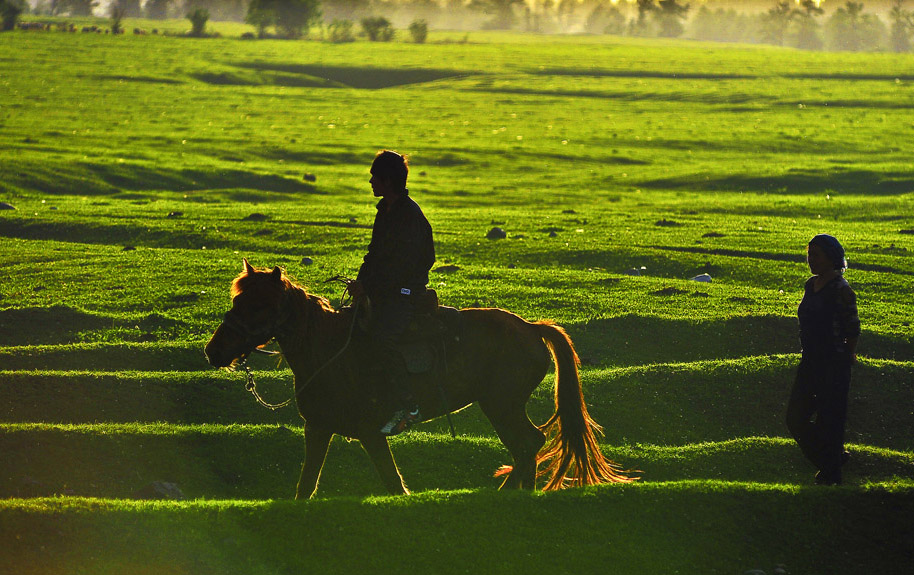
539 15
641 25
902 23
294 18
10 10
378 29
157 9
606 18
501 12
341 31
850 29
74 7
117 10
806 33
131 8
723 25
418 29
261 15
564 12
198 18
670 16
776 22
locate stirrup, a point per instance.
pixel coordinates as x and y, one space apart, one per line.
401 421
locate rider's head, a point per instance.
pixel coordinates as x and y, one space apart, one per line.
389 169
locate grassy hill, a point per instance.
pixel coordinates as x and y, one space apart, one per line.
143 168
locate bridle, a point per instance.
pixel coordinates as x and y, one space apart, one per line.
233 322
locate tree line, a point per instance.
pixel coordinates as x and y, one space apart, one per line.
802 24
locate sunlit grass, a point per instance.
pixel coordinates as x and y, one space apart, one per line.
137 163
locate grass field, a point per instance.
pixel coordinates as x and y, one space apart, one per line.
142 169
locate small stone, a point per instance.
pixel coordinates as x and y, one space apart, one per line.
309 178
6 206
552 234
496 234
129 248
306 261
702 278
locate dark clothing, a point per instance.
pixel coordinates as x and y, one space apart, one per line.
828 318
401 251
821 388
394 272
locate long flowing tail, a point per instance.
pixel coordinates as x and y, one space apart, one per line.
571 455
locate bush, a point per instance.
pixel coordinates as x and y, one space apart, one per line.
341 31
292 18
295 17
10 10
378 29
419 31
198 19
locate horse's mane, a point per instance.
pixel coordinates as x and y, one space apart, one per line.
245 281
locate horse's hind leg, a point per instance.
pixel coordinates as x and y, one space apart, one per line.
378 450
523 439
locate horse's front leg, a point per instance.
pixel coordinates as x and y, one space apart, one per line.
317 442
379 451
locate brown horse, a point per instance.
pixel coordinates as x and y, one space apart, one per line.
497 362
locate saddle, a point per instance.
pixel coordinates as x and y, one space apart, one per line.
424 343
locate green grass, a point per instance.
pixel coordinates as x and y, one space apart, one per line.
143 169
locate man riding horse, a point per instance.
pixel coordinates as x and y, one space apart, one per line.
394 275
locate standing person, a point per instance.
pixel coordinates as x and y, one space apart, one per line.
829 328
394 274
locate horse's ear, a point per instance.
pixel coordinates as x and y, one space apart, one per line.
248 268
276 274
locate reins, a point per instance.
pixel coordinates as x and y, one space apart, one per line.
251 385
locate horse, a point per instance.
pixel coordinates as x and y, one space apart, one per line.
497 361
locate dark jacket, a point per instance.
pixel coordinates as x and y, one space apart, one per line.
401 251
828 318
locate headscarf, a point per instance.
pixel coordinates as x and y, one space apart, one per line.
833 249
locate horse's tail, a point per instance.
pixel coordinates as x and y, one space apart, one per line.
571 455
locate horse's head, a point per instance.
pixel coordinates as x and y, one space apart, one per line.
256 315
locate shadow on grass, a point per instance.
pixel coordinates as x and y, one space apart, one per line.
64 325
638 340
109 179
861 182
781 257
625 96
640 74
359 77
